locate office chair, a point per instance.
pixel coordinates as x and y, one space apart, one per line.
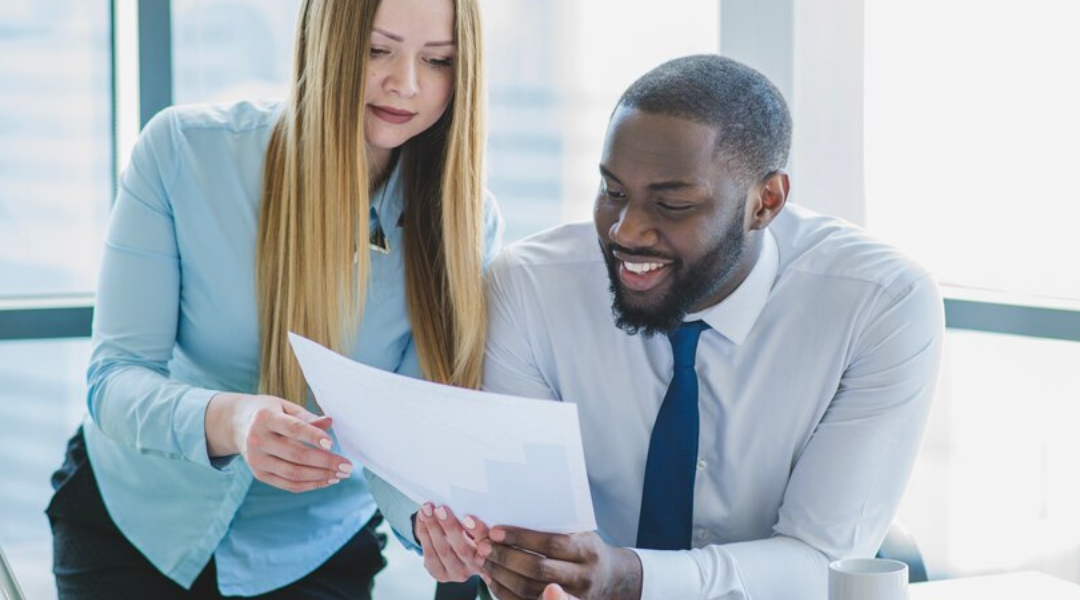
900 545
9 586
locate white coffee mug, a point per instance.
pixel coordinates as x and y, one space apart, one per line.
868 579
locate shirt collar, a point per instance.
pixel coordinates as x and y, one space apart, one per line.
735 315
386 202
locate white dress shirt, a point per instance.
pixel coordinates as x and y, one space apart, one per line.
815 384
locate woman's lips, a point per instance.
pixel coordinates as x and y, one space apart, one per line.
392 115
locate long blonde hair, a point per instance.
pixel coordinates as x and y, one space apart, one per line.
314 217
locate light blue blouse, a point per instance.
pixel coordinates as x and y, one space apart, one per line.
176 322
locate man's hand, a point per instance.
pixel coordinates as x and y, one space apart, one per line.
519 564
284 445
449 544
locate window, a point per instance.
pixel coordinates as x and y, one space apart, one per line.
971 125
970 128
230 50
56 165
55 144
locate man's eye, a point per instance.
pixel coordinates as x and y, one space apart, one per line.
675 207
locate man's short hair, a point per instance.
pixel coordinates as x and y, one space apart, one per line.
742 104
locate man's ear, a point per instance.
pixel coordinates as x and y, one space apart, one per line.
769 197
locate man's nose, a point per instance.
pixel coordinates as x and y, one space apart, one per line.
633 228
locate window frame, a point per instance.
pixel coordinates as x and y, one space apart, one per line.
65 316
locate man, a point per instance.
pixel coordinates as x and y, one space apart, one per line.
752 379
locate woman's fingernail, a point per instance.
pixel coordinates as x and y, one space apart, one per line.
469 523
342 475
441 513
345 468
427 510
326 443
333 480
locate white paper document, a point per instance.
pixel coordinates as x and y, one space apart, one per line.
506 460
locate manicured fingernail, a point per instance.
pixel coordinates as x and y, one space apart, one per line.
326 443
333 480
441 513
345 468
427 510
469 523
343 475
497 534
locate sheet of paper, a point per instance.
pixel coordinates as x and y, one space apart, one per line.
509 461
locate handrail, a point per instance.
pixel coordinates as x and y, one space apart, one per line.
9 586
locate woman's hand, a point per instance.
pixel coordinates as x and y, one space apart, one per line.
449 545
284 445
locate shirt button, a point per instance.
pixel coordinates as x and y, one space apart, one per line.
701 465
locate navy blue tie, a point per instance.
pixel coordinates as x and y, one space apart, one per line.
667 498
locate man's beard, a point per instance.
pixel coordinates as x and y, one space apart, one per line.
689 286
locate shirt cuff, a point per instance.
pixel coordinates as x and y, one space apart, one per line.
668 574
397 508
189 425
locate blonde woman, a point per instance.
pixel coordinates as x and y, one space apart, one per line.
352 214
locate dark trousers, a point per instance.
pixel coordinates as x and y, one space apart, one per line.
92 560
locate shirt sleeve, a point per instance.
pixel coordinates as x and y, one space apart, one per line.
510 366
130 395
847 482
493 229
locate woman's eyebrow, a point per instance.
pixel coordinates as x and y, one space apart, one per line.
398 38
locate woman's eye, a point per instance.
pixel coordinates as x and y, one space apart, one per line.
441 62
375 52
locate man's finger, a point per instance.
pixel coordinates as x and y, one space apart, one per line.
554 545
527 564
505 583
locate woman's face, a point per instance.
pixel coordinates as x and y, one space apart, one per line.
410 73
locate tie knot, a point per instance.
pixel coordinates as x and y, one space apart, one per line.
684 342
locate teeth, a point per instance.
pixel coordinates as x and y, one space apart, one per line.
641 267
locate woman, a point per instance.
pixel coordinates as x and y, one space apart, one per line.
353 215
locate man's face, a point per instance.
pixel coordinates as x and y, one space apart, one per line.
670 218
